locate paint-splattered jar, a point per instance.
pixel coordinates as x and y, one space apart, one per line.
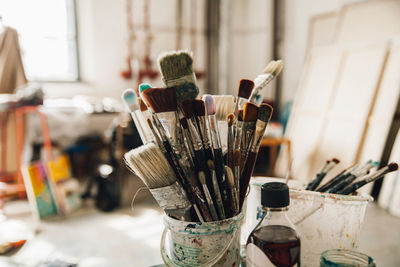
344 257
201 244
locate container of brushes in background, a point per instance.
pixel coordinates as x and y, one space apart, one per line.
201 244
325 221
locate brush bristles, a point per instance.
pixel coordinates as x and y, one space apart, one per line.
393 167
245 88
229 176
274 68
142 105
161 99
130 99
211 165
175 64
187 108
265 112
337 161
202 178
236 158
142 161
209 104
240 115
230 119
250 112
199 109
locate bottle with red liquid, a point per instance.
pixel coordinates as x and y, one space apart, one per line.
274 241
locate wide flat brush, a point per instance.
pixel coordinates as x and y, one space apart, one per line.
244 92
177 70
250 112
217 148
264 115
330 164
232 190
369 178
230 119
270 72
130 99
161 181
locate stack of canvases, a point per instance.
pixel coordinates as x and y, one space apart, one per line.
349 91
182 160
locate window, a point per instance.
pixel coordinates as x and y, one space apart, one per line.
47 37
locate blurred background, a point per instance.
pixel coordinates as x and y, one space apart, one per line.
65 63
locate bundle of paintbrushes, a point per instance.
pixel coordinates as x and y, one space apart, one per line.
350 179
182 161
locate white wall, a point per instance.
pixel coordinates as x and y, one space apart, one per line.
102 35
298 14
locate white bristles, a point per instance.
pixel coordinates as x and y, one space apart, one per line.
224 104
150 164
274 67
130 99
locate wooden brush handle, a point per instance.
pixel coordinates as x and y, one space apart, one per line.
246 175
352 188
333 182
342 184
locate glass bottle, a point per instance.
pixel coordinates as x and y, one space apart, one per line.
274 241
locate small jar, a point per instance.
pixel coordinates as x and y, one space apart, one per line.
345 258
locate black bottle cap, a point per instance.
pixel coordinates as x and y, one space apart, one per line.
275 195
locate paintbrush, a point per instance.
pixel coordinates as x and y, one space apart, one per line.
217 196
130 99
250 112
224 104
200 159
270 72
236 168
329 165
264 115
345 173
177 71
369 178
217 148
233 191
161 181
362 170
230 119
199 112
202 179
244 92
164 103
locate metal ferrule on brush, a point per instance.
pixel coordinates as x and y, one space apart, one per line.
194 135
169 120
173 200
258 135
216 141
178 81
248 133
238 137
203 127
265 80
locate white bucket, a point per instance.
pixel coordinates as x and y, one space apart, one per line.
201 244
324 221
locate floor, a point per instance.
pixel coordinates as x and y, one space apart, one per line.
129 237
